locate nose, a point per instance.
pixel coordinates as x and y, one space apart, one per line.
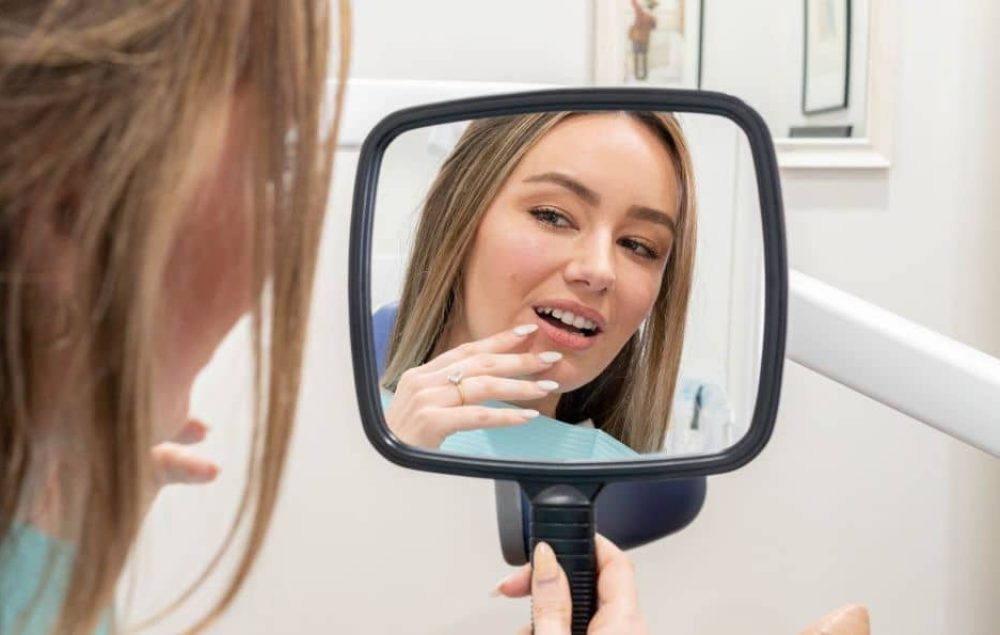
592 265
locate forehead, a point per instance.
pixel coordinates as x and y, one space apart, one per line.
614 152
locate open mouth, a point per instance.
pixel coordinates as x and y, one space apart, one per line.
568 321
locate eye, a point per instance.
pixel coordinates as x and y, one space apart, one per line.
639 248
551 216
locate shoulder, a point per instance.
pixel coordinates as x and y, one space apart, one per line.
34 569
28 560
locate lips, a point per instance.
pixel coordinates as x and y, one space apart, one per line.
569 324
572 313
569 319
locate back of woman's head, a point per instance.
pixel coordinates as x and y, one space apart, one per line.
111 114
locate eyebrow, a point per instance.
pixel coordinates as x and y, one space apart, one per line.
639 212
589 196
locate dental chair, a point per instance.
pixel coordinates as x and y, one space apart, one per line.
630 513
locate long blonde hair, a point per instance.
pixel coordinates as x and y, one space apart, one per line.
632 397
100 107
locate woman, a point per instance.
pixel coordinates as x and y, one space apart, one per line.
563 248
162 162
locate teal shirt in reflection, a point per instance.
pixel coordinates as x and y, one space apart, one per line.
540 439
29 558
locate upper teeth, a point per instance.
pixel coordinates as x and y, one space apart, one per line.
570 318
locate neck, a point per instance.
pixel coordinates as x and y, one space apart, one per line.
44 504
58 467
52 468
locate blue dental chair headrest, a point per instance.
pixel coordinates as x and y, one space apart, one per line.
629 513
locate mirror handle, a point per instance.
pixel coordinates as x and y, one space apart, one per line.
563 517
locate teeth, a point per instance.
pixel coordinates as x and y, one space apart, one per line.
569 318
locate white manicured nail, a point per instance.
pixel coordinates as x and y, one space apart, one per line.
525 329
529 414
550 357
547 385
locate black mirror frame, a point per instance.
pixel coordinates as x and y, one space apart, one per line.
589 99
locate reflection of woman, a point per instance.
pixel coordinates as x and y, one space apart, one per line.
578 229
638 33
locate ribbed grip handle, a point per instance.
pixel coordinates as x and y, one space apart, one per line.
565 521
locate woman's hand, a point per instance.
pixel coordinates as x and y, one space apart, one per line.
552 607
174 462
847 620
440 397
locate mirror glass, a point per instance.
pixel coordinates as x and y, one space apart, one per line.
569 286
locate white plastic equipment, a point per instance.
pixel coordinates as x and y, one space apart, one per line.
932 378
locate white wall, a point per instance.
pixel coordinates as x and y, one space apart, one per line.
499 40
850 502
754 50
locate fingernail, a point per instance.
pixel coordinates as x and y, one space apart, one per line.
495 593
545 568
204 474
547 385
529 414
550 357
525 329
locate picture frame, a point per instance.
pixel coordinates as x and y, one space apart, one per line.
826 56
872 150
653 43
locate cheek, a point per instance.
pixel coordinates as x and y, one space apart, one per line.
506 267
207 283
530 258
637 298
508 253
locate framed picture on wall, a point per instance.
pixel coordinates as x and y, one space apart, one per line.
826 64
648 42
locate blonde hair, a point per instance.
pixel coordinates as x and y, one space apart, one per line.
101 108
631 399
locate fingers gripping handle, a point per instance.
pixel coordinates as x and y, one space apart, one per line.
563 517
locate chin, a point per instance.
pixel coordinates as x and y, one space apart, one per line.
568 382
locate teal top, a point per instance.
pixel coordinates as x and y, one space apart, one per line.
29 558
539 439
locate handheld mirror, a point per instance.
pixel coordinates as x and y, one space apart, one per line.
569 288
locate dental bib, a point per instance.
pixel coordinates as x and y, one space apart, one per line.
539 439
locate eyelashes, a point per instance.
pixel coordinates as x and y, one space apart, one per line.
555 219
551 216
640 249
